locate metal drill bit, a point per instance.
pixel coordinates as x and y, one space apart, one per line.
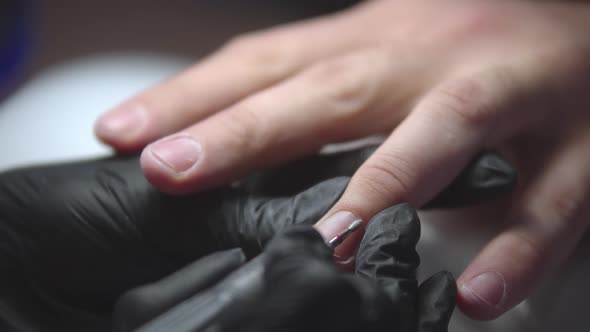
338 239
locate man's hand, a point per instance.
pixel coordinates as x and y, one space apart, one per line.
446 78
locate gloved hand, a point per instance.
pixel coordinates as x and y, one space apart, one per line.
74 237
303 291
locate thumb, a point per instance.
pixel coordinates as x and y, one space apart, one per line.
387 255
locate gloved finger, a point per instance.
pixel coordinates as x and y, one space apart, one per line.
387 254
251 223
234 298
139 305
486 177
303 289
314 298
295 246
437 297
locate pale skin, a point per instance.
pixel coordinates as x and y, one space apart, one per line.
444 79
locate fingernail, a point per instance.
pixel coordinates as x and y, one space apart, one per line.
336 224
488 287
178 154
124 121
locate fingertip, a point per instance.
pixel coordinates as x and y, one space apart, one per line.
483 288
490 287
123 127
344 254
169 164
474 305
437 298
441 286
502 275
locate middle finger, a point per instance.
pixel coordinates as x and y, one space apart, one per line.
246 64
341 99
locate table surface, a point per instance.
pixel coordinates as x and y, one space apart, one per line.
50 118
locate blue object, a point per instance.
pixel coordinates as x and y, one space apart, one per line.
15 26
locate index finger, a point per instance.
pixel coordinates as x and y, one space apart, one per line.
439 137
246 64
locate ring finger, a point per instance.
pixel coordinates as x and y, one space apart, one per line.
549 220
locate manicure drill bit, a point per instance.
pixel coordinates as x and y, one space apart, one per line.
338 239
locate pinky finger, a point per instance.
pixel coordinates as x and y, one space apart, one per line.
549 222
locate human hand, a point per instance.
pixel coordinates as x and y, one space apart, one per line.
303 291
74 236
451 77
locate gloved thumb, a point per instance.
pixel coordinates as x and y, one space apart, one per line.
387 255
437 297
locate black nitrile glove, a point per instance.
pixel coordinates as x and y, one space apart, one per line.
305 292
74 237
301 290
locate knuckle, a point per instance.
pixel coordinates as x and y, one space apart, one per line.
479 20
345 86
261 53
389 176
566 204
243 127
244 44
526 248
467 101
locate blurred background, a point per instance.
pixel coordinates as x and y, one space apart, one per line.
15 24
44 33
79 58
64 62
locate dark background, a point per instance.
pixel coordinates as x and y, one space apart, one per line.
73 28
